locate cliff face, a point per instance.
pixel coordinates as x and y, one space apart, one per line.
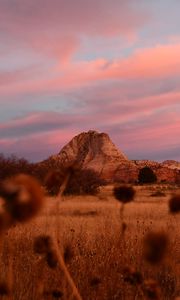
89 147
94 150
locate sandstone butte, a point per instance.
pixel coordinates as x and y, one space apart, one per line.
94 150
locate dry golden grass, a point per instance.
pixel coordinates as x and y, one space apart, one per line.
88 232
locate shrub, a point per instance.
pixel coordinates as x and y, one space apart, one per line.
80 181
84 182
146 175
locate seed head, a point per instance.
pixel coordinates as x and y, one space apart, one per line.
4 288
23 196
155 246
132 276
174 204
95 281
124 193
57 294
43 244
52 259
151 289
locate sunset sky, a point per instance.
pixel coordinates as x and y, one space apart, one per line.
67 66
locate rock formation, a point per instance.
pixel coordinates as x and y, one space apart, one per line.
94 150
172 164
163 172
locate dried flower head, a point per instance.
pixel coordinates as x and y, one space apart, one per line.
155 246
174 204
132 276
23 195
124 193
43 244
151 289
95 281
4 288
57 294
52 259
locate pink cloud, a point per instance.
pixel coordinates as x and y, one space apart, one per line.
54 28
91 17
158 62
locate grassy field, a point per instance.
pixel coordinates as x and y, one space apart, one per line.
88 230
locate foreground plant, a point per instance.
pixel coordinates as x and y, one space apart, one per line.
155 246
124 194
21 199
151 289
146 288
52 255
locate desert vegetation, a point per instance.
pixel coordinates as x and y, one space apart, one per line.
118 243
146 175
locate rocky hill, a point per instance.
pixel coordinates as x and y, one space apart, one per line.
94 150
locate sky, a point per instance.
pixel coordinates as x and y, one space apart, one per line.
69 66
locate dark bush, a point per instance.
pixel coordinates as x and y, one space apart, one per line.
80 181
146 175
84 182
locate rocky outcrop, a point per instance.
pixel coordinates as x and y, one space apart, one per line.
126 172
172 164
163 172
94 150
